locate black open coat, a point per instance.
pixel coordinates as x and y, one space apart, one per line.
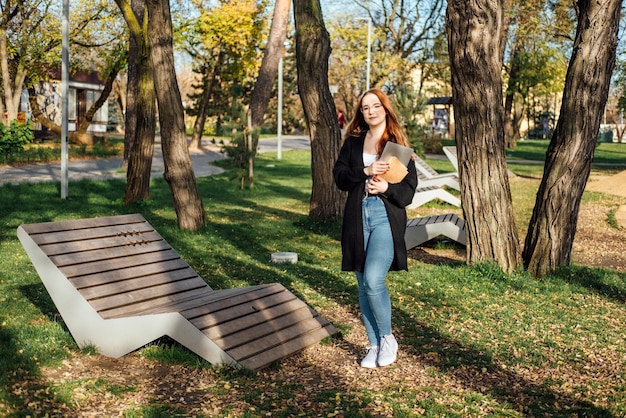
349 176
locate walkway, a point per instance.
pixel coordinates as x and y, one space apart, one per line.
110 168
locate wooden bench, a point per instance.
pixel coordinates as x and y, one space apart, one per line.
452 156
425 194
119 285
420 230
427 176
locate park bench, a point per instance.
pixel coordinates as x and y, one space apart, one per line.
452 156
427 176
119 285
425 194
420 230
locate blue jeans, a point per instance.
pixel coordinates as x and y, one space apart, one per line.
373 294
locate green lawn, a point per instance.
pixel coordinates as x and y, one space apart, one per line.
483 343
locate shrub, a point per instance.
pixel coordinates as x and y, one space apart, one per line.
13 138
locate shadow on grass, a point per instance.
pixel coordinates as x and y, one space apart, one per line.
23 392
473 368
608 284
247 236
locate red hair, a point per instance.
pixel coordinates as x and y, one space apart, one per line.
393 130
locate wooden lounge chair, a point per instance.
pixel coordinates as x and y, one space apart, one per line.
451 154
421 230
426 194
119 285
427 176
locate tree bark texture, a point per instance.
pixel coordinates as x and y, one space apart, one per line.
81 133
11 99
209 81
178 168
553 223
312 52
141 154
132 85
198 125
474 39
269 66
141 105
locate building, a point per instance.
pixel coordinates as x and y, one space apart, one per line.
83 91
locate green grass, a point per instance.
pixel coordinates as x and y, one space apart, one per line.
612 154
608 157
489 344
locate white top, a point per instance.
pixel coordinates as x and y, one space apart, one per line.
369 159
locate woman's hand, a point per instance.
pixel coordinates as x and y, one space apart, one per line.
377 185
378 167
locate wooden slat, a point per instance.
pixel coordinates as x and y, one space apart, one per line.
267 357
133 230
137 283
138 296
143 271
235 308
76 244
247 295
427 188
146 307
198 300
103 266
247 318
47 227
274 340
261 324
109 253
427 220
426 166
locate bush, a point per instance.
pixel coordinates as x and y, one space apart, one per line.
13 138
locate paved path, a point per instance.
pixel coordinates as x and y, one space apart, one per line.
109 168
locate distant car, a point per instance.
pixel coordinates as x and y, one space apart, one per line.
538 133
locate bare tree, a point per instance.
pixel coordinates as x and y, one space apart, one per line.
552 226
269 66
405 29
312 52
475 31
178 168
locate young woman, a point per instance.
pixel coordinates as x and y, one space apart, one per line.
375 218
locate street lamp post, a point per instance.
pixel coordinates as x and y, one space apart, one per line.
64 96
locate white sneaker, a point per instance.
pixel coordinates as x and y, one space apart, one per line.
388 350
369 360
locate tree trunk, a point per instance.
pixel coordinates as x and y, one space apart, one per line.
132 90
474 32
10 100
509 101
141 108
312 52
178 168
198 126
203 105
142 147
269 66
81 131
37 114
552 226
